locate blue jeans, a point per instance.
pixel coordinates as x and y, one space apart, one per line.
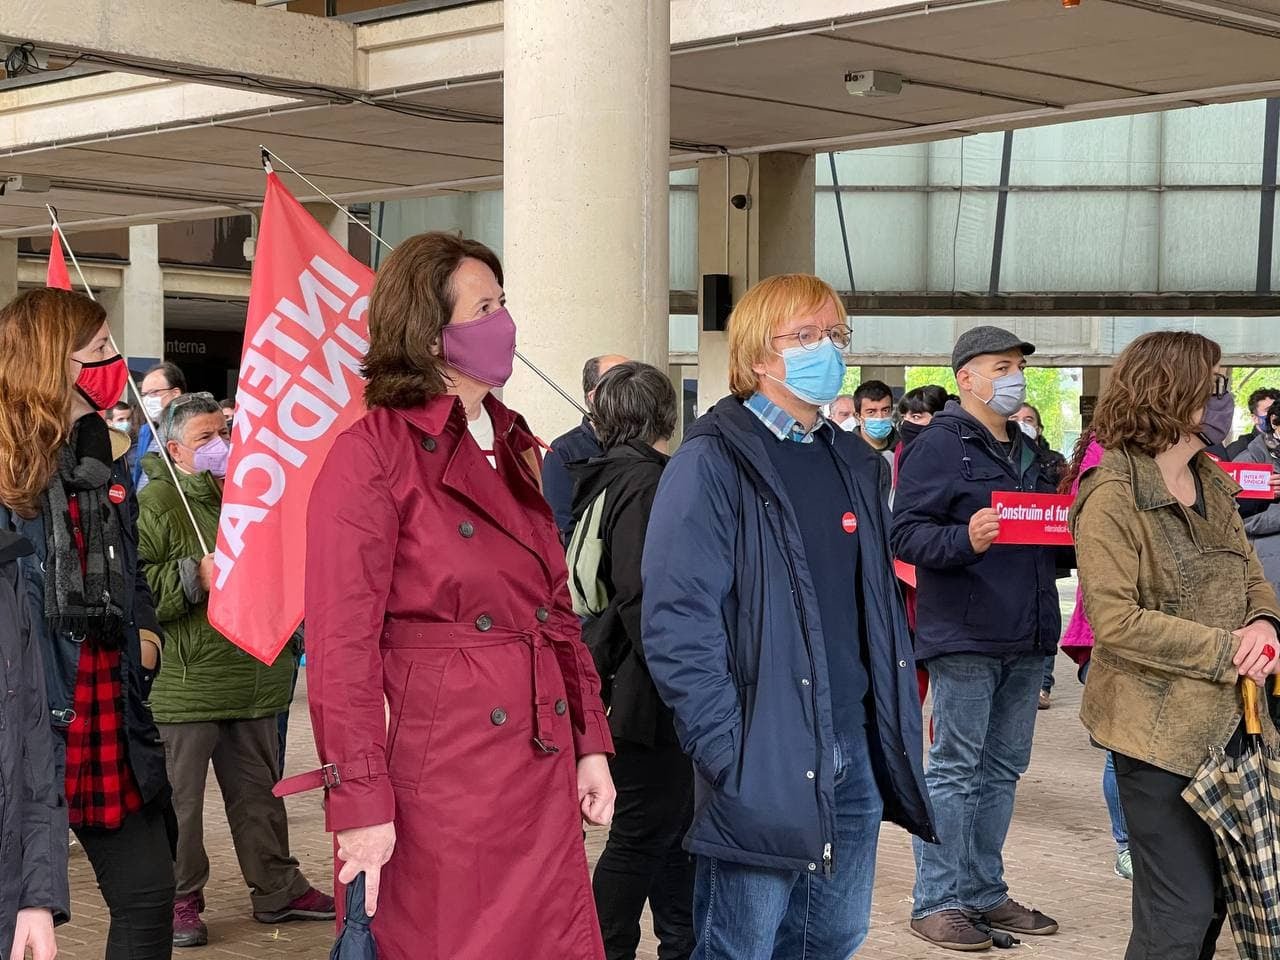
1047 683
743 912
984 715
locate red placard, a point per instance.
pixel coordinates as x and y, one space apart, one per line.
1033 518
1254 478
904 572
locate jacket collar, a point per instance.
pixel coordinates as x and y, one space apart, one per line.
434 414
1149 489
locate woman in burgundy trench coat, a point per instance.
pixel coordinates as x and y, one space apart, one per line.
436 580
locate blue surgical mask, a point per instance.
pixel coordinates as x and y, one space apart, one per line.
1008 393
877 428
814 376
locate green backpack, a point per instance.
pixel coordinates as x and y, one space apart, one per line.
590 596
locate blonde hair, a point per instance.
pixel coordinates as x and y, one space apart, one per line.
757 315
39 330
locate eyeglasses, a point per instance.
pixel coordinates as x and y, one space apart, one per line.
156 391
811 337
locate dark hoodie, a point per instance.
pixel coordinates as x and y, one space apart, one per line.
629 475
1004 601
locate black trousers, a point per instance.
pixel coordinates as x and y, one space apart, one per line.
1178 906
642 858
134 867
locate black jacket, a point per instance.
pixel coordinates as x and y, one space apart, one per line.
733 638
61 649
33 818
1236 448
1004 601
629 474
580 443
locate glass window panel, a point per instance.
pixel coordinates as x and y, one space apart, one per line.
1220 143
961 230
1209 240
1111 151
1079 241
886 240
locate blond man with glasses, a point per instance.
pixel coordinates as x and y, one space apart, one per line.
794 695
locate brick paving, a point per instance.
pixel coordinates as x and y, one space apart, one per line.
1058 857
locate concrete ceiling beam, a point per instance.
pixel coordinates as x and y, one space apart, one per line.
192 37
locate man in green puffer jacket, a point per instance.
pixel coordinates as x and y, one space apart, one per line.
212 701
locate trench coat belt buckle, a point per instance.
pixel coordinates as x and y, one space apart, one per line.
329 777
542 737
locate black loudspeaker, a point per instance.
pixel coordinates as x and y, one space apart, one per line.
717 300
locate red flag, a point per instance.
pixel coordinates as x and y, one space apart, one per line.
300 386
57 275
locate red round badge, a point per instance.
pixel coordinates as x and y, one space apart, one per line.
116 493
849 522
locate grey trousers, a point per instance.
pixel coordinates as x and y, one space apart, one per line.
245 757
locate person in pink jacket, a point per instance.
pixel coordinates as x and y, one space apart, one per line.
1077 643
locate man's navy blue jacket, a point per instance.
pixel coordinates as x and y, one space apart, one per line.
733 640
1004 601
580 443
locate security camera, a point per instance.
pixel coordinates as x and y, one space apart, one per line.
741 201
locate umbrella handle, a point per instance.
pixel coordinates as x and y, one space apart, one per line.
1249 693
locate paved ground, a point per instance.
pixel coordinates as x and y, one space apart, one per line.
1058 857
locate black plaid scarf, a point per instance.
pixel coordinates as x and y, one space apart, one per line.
85 598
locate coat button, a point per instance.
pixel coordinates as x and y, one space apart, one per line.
542 614
561 707
466 529
429 444
498 717
484 622
902 663
809 774
804 682
813 866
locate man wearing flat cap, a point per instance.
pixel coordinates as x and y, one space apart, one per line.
987 616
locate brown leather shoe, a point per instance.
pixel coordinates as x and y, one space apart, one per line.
951 930
1013 917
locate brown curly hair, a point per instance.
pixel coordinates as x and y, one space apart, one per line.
39 330
1159 385
411 303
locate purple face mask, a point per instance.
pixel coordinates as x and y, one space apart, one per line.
212 456
483 349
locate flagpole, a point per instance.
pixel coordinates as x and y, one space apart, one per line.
164 453
268 156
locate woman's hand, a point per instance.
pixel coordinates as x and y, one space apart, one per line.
365 850
34 932
1256 658
595 789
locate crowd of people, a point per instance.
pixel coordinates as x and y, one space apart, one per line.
725 652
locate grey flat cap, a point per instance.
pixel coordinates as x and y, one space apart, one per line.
982 340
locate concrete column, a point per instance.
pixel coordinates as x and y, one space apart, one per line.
8 270
586 138
773 234
1093 381
332 219
136 310
895 377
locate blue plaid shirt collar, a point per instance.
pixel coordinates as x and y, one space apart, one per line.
782 424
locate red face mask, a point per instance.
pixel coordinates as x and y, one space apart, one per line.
102 383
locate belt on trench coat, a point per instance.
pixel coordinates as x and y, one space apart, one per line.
436 636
